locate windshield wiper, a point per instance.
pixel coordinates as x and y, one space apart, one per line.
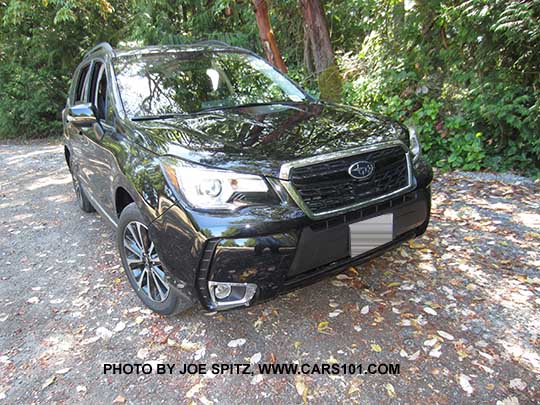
156 117
230 107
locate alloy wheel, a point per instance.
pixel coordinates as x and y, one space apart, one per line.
144 263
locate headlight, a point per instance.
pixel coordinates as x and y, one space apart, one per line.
215 189
414 144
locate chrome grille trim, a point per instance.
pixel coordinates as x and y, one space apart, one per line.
286 168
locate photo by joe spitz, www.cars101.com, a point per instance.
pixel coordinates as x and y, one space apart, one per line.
227 183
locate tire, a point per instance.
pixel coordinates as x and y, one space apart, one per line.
82 200
143 269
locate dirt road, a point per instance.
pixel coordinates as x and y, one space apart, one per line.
458 309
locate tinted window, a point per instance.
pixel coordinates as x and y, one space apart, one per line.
98 90
79 90
185 82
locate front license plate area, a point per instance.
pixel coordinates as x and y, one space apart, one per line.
371 233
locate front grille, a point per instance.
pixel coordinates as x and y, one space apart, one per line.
327 186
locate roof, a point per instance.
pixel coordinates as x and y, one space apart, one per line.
106 48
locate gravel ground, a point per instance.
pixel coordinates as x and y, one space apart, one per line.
458 309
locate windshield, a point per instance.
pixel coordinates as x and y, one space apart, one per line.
187 82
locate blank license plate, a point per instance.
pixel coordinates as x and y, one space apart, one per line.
371 233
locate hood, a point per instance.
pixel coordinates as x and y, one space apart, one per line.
258 140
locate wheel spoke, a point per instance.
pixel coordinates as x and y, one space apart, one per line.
135 262
151 283
143 262
162 293
132 249
141 277
140 233
159 274
136 237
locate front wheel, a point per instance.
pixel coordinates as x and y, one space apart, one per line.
142 265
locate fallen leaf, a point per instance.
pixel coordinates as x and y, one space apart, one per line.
430 311
119 400
199 354
390 390
236 342
120 326
364 310
445 335
257 379
518 383
91 340
301 387
255 358
414 356
435 352
431 342
376 348
465 382
188 346
353 270
48 382
103 333
142 353
322 326
415 245
194 390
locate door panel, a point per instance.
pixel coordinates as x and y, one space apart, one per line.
76 135
99 146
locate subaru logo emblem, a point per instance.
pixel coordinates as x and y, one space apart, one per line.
361 170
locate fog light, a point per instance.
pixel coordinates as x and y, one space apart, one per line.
225 295
222 291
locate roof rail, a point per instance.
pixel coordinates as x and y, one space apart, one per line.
104 45
212 42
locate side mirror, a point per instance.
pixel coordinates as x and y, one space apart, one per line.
81 115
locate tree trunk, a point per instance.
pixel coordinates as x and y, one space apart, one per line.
308 57
316 29
267 35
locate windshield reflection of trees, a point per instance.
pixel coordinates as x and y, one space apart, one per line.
192 81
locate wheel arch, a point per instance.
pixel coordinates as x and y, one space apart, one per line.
122 198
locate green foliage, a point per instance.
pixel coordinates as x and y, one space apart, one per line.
465 73
41 43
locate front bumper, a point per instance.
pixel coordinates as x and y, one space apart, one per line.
281 262
275 249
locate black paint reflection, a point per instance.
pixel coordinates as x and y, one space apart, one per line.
259 139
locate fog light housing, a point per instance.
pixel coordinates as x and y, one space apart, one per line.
225 295
222 291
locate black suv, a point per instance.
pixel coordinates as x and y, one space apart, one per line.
227 183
